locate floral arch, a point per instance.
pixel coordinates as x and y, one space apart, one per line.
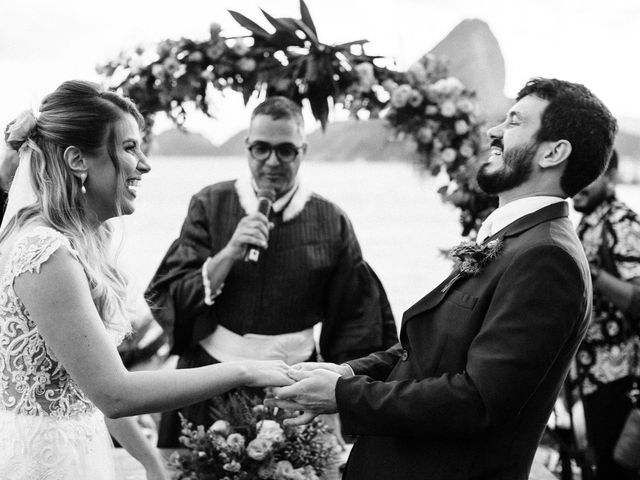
425 103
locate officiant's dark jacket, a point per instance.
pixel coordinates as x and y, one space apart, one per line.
468 390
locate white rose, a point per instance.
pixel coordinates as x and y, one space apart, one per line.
424 135
232 466
240 48
259 448
401 95
220 427
270 430
284 469
448 86
267 471
448 155
461 127
247 64
235 442
448 109
417 73
157 70
415 99
215 29
465 105
466 151
366 76
196 56
310 473
136 64
431 110
389 85
171 65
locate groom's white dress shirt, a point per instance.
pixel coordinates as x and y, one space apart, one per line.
512 211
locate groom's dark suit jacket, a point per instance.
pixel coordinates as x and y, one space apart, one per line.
468 390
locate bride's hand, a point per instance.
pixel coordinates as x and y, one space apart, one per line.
269 373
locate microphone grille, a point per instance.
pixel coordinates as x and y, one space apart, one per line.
268 193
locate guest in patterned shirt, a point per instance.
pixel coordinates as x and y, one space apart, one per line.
610 233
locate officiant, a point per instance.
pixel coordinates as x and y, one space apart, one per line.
218 307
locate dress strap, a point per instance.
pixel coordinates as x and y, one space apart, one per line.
35 248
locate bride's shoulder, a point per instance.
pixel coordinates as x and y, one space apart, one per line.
36 244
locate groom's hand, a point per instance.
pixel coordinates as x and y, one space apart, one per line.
313 393
344 370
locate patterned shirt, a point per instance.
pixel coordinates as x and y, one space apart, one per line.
611 239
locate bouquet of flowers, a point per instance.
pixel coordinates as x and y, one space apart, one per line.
249 441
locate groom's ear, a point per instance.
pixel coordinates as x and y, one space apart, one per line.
75 160
554 153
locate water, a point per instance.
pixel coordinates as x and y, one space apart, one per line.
397 214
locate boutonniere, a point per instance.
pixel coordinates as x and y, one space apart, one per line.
471 258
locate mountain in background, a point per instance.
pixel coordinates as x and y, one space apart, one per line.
348 140
177 142
474 57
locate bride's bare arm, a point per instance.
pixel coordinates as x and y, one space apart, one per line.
129 434
59 301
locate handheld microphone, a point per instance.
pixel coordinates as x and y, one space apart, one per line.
266 197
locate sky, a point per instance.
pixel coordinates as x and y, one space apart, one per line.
43 43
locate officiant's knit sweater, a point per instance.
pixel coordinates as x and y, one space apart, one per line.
312 272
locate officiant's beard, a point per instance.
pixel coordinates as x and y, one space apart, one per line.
517 168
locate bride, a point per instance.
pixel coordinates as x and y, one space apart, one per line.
62 301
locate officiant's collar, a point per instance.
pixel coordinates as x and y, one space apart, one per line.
290 204
512 211
280 203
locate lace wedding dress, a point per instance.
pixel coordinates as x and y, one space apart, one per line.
49 429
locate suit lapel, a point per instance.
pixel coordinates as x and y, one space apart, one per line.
433 298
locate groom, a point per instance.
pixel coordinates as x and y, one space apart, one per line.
467 391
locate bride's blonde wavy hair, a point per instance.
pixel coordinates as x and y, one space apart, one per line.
84 115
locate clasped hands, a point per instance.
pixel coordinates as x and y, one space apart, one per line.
312 394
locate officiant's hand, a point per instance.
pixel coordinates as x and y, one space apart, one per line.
313 393
252 230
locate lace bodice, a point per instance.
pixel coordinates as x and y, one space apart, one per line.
32 380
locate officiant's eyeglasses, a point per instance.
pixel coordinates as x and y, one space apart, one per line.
285 152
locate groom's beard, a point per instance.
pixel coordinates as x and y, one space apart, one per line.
516 169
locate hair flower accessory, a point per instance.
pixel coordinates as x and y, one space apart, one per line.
19 129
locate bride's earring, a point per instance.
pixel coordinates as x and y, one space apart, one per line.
83 177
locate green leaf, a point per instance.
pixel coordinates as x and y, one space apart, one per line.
355 42
247 90
319 104
284 29
249 24
306 18
311 35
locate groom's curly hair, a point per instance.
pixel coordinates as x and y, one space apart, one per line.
578 116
